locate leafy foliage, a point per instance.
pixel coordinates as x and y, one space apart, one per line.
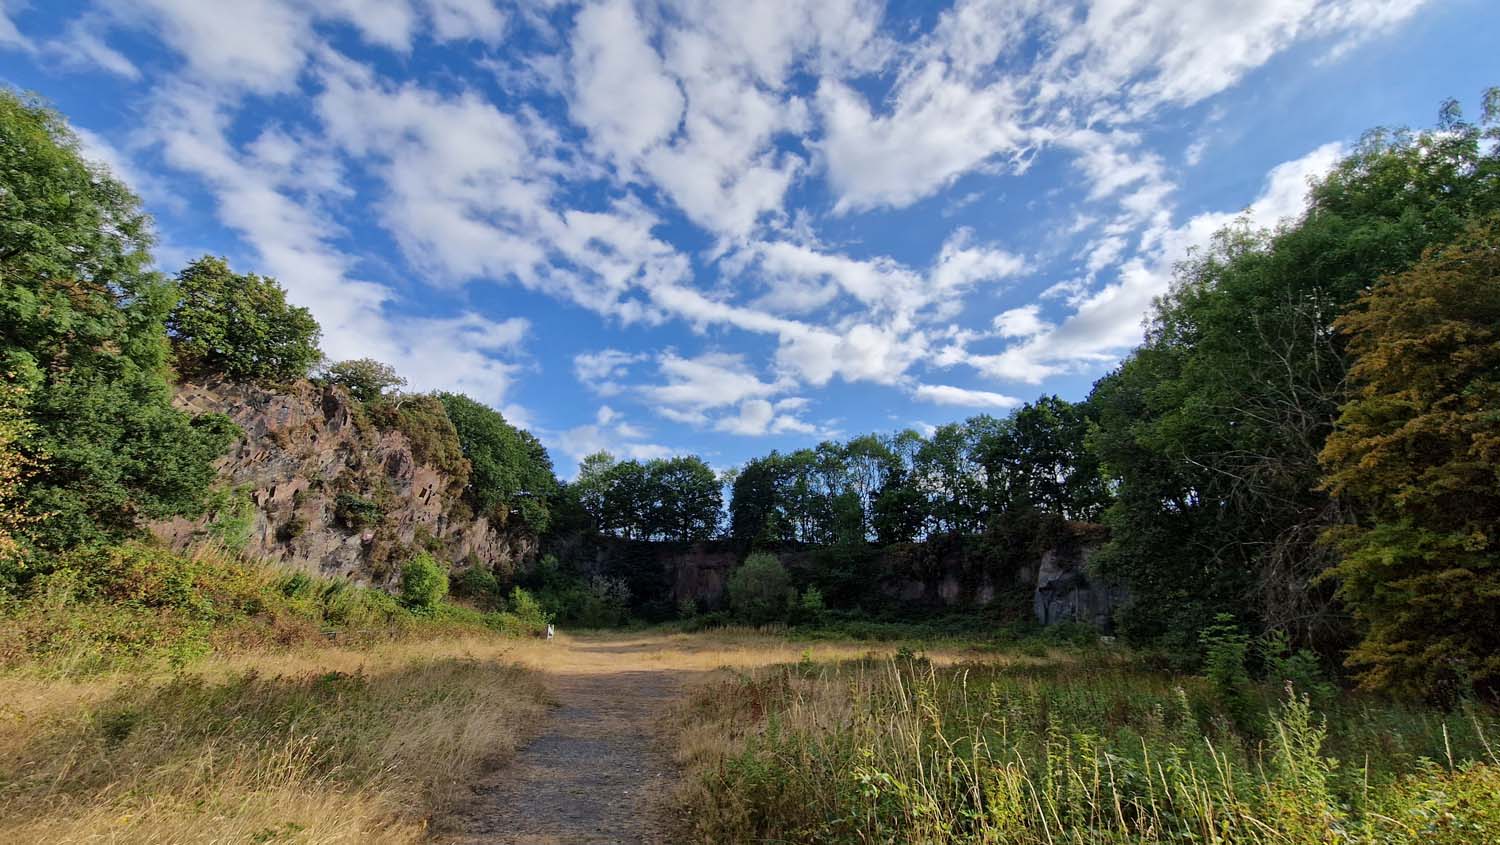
677 499
1417 450
81 336
365 378
424 583
240 325
356 512
760 590
1211 431
510 468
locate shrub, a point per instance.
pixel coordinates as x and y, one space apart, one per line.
424 583
760 591
355 512
478 584
365 378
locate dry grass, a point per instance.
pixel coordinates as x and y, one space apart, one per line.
315 746
322 743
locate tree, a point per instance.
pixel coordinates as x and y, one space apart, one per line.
1417 451
240 325
1211 431
365 378
760 591
82 339
685 499
509 468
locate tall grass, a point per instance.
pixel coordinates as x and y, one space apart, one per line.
903 751
139 606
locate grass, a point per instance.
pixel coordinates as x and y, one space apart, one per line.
321 745
155 697
1079 746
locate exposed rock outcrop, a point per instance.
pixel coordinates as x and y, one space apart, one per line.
302 447
1067 592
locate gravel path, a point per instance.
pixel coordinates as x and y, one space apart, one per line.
594 775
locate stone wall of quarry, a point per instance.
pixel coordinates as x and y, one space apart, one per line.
302 446
950 572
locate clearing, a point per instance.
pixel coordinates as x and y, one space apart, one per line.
599 770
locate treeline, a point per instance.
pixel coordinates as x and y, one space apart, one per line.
1307 442
91 338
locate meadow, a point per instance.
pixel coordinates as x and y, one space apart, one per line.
1076 745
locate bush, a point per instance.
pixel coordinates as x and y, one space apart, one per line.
760 591
240 325
424 583
356 512
477 584
365 378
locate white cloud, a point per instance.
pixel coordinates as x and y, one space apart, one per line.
610 432
621 93
946 394
603 371
1025 321
10 35
1107 322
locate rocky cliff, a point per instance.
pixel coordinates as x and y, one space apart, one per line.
318 486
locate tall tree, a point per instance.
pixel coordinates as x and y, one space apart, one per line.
240 325
1211 430
81 336
1417 451
511 471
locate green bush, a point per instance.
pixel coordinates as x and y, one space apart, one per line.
424 583
365 378
760 590
356 512
478 584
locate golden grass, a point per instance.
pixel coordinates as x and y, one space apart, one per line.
321 743
326 745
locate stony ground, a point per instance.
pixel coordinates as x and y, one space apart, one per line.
596 773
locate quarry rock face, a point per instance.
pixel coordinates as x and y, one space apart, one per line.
303 446
1067 592
946 572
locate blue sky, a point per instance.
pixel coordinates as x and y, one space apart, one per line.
661 226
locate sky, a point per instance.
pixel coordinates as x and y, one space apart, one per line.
721 228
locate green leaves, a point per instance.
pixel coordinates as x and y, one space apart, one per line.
511 471
240 325
81 328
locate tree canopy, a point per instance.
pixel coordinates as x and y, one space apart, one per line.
82 336
1416 452
240 325
510 470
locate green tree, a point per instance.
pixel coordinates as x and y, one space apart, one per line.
509 468
240 325
1210 432
424 583
81 336
760 590
685 499
365 378
1417 452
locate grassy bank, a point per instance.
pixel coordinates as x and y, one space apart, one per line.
1079 746
154 697
320 745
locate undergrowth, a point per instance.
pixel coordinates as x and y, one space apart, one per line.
138 606
1076 751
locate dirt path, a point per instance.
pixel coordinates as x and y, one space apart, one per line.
595 774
